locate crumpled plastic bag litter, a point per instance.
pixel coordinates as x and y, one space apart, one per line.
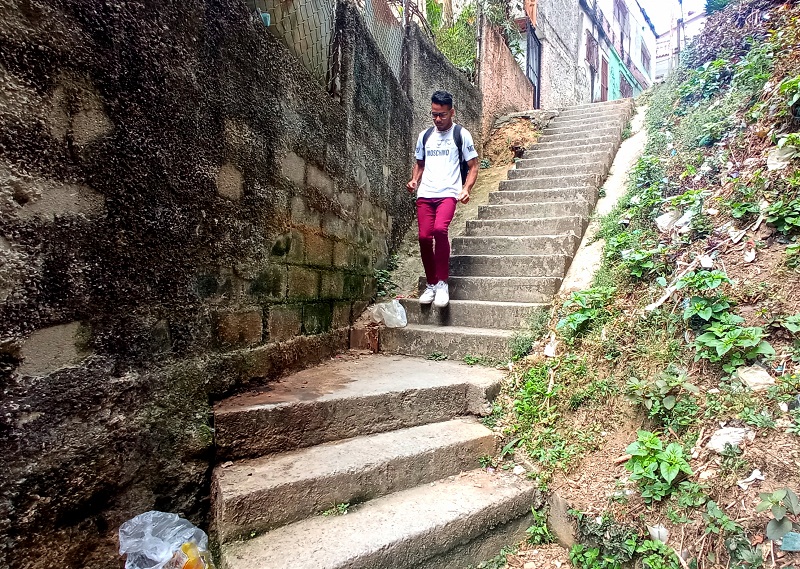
159 540
390 313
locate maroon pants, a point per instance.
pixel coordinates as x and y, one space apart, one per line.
434 216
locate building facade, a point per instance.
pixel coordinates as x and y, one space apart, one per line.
670 44
593 50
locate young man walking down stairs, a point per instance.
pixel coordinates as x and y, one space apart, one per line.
444 174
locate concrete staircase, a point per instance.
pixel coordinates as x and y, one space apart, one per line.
513 258
398 436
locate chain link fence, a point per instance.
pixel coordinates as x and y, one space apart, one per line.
307 28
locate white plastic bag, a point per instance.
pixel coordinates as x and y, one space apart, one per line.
390 313
158 540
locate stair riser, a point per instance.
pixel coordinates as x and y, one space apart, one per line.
476 315
561 170
611 133
592 119
550 153
571 160
508 197
605 125
540 290
535 211
566 144
549 226
281 505
545 245
455 346
601 106
482 548
547 182
260 431
508 266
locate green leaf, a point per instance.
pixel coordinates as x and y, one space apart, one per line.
779 494
669 402
778 511
776 529
792 503
669 471
763 506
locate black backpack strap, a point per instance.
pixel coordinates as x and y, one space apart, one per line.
425 138
459 141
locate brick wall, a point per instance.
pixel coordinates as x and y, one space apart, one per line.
505 86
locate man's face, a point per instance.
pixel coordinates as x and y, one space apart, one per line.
442 116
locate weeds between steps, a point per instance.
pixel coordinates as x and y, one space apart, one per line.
697 296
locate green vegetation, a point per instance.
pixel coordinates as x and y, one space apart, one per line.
337 510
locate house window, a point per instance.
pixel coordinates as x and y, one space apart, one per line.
592 51
623 22
625 88
645 59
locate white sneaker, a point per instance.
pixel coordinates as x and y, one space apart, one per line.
442 298
429 294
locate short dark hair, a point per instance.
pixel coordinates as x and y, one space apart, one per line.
442 98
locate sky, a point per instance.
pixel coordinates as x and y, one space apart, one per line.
660 11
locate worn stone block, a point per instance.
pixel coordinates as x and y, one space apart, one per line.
342 254
341 314
270 284
239 329
303 283
294 168
53 348
332 285
359 306
319 250
285 322
302 214
320 180
354 286
348 201
290 246
230 182
335 226
317 318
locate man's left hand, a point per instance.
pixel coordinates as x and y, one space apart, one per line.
463 197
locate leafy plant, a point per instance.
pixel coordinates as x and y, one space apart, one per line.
668 397
539 533
436 356
790 89
784 506
654 467
785 215
583 557
792 259
657 555
702 280
717 522
613 539
706 309
727 341
337 510
641 263
586 307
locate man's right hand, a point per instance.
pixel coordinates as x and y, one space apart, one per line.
411 186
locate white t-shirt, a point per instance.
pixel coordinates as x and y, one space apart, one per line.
442 175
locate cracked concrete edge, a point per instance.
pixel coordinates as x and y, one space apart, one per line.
480 395
589 257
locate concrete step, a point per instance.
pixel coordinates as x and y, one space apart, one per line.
565 243
526 227
571 159
565 144
430 526
554 152
262 494
580 208
508 265
558 169
582 136
588 126
347 397
511 196
621 112
546 182
455 342
521 289
613 117
470 313
600 105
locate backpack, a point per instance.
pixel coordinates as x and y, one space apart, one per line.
464 166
